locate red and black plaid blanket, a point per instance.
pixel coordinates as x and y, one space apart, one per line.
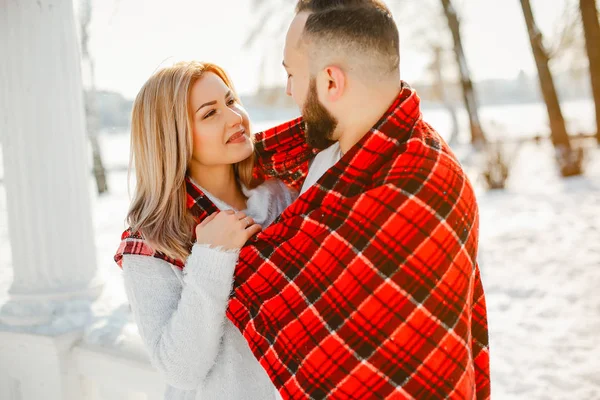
367 286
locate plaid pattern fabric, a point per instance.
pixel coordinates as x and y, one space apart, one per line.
133 242
282 153
368 286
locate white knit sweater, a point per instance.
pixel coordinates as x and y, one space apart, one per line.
181 316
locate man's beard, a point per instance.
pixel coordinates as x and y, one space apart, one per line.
319 123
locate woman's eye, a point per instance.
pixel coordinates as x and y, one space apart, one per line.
209 114
231 102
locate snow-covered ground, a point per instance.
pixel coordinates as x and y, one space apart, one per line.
540 260
539 256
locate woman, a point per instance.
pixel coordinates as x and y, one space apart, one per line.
193 155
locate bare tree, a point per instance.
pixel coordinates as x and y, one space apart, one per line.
477 135
569 161
591 29
91 109
440 92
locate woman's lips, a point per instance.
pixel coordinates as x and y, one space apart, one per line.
237 137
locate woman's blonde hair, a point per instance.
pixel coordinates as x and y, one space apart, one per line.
161 149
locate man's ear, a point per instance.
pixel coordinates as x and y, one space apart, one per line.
334 79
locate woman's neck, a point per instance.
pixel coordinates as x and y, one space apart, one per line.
220 181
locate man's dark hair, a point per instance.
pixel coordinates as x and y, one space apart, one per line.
362 29
315 6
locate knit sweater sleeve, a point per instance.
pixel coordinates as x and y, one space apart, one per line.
181 325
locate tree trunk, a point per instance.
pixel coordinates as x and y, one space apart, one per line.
559 135
477 136
440 88
591 29
91 109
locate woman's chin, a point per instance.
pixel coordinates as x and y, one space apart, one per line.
241 150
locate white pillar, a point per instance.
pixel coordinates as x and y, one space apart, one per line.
45 164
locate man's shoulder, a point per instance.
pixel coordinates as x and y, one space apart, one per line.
424 143
424 161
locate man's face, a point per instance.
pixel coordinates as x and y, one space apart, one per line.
319 123
295 61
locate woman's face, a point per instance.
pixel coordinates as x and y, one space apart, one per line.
221 128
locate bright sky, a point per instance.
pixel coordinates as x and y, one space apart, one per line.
131 38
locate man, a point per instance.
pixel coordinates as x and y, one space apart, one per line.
367 286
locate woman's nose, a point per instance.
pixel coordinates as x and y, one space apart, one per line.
235 117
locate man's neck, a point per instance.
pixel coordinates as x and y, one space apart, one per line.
361 119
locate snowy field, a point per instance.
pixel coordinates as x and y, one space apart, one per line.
539 256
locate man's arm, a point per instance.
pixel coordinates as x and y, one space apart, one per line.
282 153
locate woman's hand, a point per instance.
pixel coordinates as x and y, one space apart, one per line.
227 229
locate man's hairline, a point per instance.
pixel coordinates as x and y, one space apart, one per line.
302 42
